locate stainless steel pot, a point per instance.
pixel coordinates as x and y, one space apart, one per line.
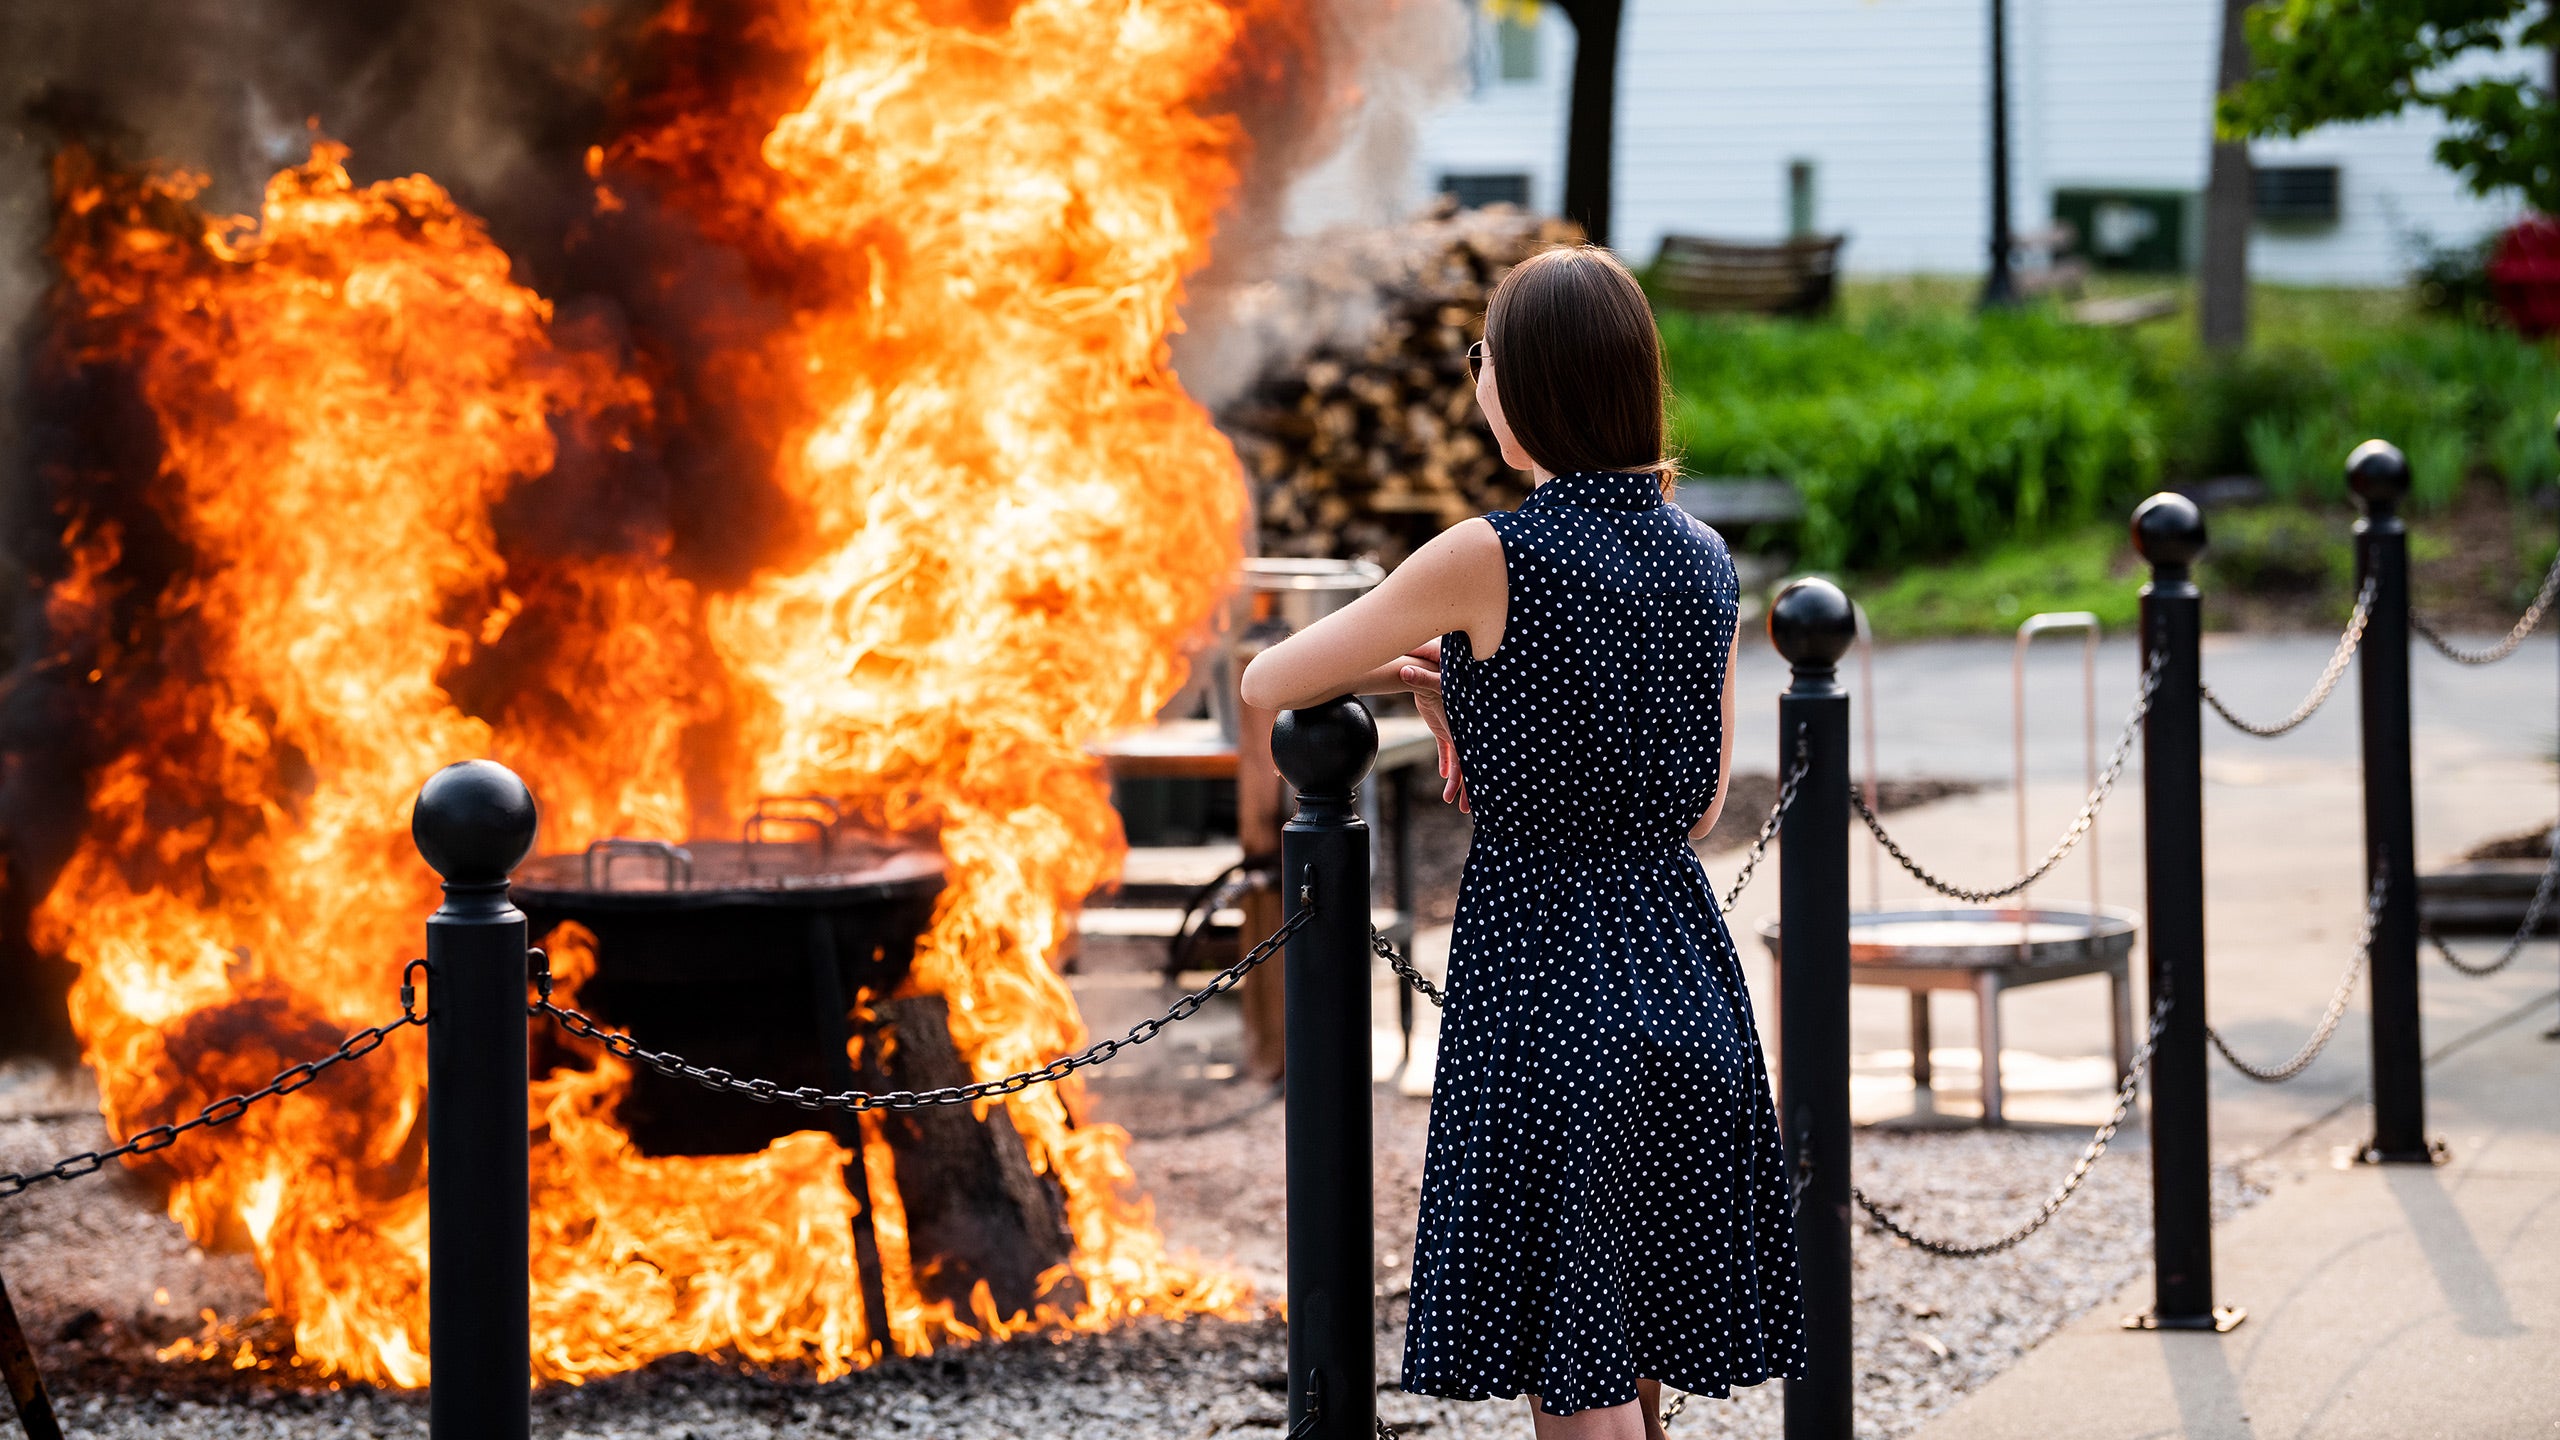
1298 593
1275 598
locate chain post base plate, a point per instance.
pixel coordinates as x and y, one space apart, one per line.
2223 1320
2436 1153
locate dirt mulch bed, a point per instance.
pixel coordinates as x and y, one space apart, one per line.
2531 845
2473 566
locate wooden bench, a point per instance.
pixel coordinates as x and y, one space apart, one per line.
1791 277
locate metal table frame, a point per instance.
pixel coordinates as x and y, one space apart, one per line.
1196 750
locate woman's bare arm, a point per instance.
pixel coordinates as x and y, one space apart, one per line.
1457 582
1724 765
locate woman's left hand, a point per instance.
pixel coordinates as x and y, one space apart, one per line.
1422 674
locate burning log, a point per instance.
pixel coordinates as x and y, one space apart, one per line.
1372 445
973 1202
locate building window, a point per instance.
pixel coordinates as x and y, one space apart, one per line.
2296 194
1515 46
1801 214
1476 191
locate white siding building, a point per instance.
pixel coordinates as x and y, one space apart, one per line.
1740 118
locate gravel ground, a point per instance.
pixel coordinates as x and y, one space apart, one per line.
103 1280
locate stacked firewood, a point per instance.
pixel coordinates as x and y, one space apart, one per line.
1370 442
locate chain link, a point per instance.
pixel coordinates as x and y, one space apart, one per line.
1385 949
810 1097
2081 824
2328 682
2532 617
230 1107
2301 1059
1769 827
2126 1089
2533 914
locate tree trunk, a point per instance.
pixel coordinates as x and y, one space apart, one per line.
2229 199
1590 138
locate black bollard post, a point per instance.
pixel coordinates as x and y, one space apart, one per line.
1324 750
2379 475
474 823
2169 532
1812 625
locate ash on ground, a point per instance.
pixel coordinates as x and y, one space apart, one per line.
105 1282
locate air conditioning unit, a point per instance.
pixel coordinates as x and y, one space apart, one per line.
2127 229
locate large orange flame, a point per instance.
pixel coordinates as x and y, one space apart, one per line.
1009 519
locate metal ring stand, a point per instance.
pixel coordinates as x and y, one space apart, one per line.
1985 950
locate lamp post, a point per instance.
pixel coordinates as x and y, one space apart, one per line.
1999 288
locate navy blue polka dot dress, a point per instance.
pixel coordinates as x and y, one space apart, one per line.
1603 1194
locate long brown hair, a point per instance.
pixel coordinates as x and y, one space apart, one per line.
1578 364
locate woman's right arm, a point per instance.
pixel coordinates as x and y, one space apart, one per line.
1456 582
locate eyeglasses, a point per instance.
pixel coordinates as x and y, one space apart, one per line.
1477 358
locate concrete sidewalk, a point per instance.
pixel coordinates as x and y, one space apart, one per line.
2397 1302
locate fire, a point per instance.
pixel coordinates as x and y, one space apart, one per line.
1007 518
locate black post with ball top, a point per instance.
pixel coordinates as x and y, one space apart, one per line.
1324 750
2379 475
1812 624
2168 530
475 823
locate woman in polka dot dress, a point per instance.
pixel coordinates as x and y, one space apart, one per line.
1604 1199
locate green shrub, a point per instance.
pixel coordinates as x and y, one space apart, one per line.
1919 430
2216 399
1916 436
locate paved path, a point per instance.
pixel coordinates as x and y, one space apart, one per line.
2385 1302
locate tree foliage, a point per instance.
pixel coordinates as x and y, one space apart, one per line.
2319 62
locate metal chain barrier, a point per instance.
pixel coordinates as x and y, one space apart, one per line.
1385 949
2081 824
2301 1059
230 1107
2320 691
2533 914
2524 626
1769 827
2126 1089
810 1097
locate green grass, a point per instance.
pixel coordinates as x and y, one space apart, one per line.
2089 567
